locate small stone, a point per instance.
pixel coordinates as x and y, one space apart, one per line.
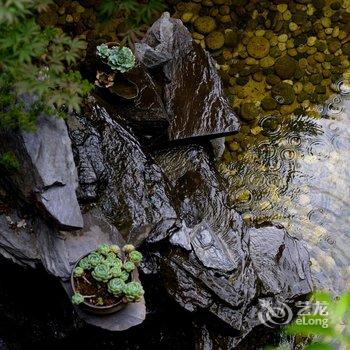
249 111
197 36
260 32
205 24
282 38
311 50
272 79
268 104
231 38
69 19
316 79
215 40
258 76
346 49
258 47
335 6
293 26
287 16
267 61
333 45
335 32
321 46
292 52
282 8
282 46
318 4
256 130
186 17
285 67
319 57
283 93
298 87
250 61
328 31
320 89
326 22
308 88
311 41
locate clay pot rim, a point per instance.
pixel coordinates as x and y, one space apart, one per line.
92 306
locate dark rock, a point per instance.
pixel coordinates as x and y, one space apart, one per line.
193 93
144 112
114 172
212 264
47 174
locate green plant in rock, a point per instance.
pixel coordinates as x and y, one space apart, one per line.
115 271
135 257
116 286
133 291
85 263
38 62
94 259
114 249
101 273
124 276
103 249
129 266
9 162
77 299
118 58
78 271
114 262
128 248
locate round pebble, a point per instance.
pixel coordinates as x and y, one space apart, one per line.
258 47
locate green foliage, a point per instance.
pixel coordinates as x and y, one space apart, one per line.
128 248
36 61
78 271
107 267
77 299
133 291
118 58
129 266
101 273
9 162
136 13
330 329
137 16
135 256
116 286
95 258
103 249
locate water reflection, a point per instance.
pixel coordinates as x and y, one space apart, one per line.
296 173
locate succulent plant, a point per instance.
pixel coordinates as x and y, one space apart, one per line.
77 299
124 276
114 249
84 263
114 262
78 271
116 286
103 249
121 59
115 271
133 291
135 257
102 50
128 248
129 266
101 273
94 259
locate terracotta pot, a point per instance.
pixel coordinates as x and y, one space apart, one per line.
100 310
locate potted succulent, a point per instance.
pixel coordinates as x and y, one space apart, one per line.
120 61
104 281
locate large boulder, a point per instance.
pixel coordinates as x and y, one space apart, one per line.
47 176
193 92
212 263
119 177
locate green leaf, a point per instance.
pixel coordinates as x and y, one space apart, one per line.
319 346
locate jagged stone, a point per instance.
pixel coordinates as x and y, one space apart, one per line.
193 92
47 174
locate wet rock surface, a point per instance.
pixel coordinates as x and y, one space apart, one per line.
213 263
190 78
115 172
47 170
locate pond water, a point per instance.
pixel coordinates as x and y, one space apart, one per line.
285 67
